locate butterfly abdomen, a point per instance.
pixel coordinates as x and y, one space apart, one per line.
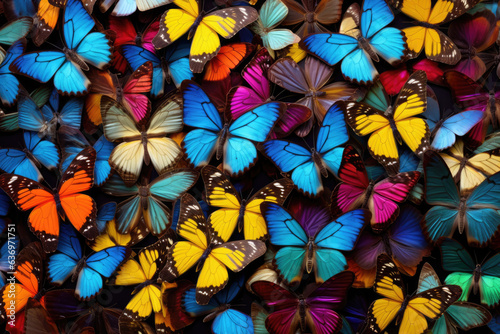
77 269
74 57
477 277
144 193
399 315
302 313
462 210
144 141
241 214
365 45
394 129
32 157
195 25
222 140
310 255
318 161
203 257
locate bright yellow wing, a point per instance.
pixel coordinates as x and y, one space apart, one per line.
213 278
413 322
130 273
173 24
415 37
417 9
415 133
412 100
440 12
486 162
190 6
112 237
382 146
147 300
182 256
382 312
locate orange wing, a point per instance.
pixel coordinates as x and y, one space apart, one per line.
28 194
228 57
102 83
29 273
80 209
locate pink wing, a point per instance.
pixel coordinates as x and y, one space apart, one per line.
346 197
148 35
385 193
294 116
241 99
394 80
255 73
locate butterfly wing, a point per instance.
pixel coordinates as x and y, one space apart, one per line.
200 113
240 152
227 59
456 125
286 232
62 265
139 82
10 90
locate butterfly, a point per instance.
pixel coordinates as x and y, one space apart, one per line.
472 34
307 165
410 311
444 130
126 34
11 87
425 32
173 316
14 31
66 201
97 319
26 162
471 95
203 28
241 98
394 80
271 14
233 139
47 16
227 59
72 141
207 251
45 120
313 242
81 48
128 7
388 124
105 214
310 80
236 212
403 241
363 37
476 212
459 315
147 296
312 17
130 95
111 237
70 261
225 319
484 277
141 142
28 272
146 201
315 309
174 64
470 171
259 315
381 198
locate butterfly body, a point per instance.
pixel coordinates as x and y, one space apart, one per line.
223 134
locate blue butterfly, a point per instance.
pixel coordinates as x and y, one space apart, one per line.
363 37
105 213
10 87
307 165
81 47
315 243
445 130
174 64
234 139
461 315
475 213
87 269
44 120
72 141
8 253
225 319
28 161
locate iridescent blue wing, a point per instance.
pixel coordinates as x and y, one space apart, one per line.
61 265
456 125
376 15
332 133
177 60
137 56
290 157
77 23
357 66
44 151
343 232
440 188
9 90
71 141
253 126
331 48
455 257
16 162
232 321
32 118
105 213
390 44
40 66
102 169
71 113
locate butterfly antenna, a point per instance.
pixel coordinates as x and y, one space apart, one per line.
53 45
305 142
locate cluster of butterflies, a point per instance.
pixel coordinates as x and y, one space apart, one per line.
166 180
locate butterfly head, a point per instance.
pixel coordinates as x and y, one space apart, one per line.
310 17
365 45
315 93
71 55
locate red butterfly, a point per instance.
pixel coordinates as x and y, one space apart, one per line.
65 202
227 59
357 190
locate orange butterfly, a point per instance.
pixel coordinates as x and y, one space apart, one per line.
66 202
227 59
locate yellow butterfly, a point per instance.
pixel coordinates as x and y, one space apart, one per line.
207 251
140 143
411 311
236 212
111 237
470 172
147 296
426 34
391 124
203 28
